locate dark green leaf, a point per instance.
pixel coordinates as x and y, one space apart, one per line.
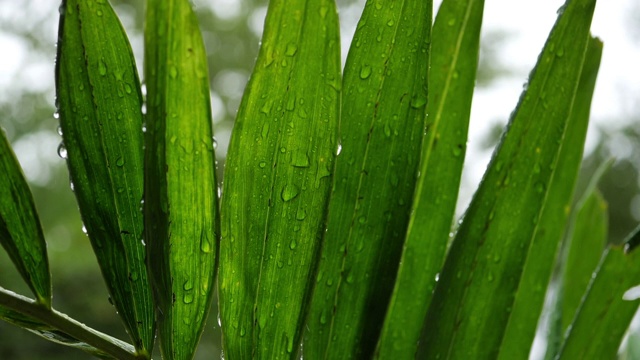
381 131
99 101
454 60
277 181
608 306
527 306
20 230
181 211
476 291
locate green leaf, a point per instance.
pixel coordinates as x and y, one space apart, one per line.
476 291
181 210
20 230
277 180
59 328
99 102
454 60
529 301
608 306
382 126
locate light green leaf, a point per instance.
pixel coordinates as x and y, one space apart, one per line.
277 181
99 101
20 230
476 291
181 211
608 306
529 301
454 60
381 130
59 328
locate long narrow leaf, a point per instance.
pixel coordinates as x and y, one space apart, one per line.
181 214
99 101
59 328
277 181
476 291
454 60
608 306
382 127
20 230
527 306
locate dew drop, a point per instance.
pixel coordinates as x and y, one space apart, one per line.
120 162
457 150
59 130
173 72
301 214
291 49
299 159
289 192
262 164
293 244
387 130
102 67
62 151
365 72
188 298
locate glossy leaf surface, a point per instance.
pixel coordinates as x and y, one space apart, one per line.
181 211
381 131
20 230
476 289
99 102
454 60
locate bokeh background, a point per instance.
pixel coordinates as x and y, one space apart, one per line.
513 34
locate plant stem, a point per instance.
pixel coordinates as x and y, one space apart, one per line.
49 323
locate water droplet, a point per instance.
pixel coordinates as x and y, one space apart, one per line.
99 12
540 187
133 276
291 49
120 162
457 150
387 130
173 72
187 285
323 11
188 298
339 149
560 52
437 278
365 72
301 214
289 192
451 22
243 331
62 151
128 89
262 164
102 67
59 130
496 258
323 317
390 22
84 229
293 244
490 277
299 159
418 101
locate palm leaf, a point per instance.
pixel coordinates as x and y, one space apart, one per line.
277 180
381 131
20 230
474 297
181 211
99 101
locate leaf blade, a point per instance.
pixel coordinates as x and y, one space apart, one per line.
382 127
275 193
451 83
553 221
99 102
605 313
181 210
473 298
